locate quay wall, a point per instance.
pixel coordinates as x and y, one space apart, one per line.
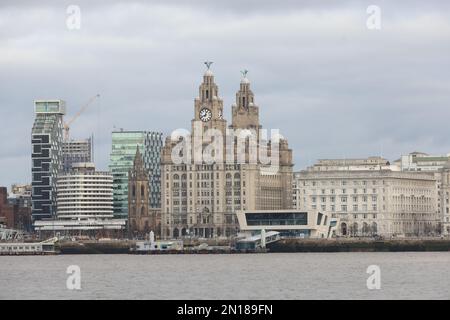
341 245
284 245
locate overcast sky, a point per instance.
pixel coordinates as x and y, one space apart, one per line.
333 87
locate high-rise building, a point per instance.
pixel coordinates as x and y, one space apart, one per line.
77 151
124 144
46 156
84 192
371 201
84 202
200 197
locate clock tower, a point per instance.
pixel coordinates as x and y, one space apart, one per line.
208 106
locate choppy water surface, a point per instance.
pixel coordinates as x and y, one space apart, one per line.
248 276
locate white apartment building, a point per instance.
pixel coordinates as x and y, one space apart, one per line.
84 202
371 201
84 192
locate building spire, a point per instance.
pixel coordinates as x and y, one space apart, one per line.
208 89
244 97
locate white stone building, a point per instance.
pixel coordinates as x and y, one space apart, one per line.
371 201
439 165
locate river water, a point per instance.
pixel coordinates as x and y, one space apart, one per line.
414 275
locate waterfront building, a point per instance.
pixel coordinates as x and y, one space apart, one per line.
20 195
84 192
124 144
420 162
443 198
371 202
77 151
46 156
438 165
141 218
15 210
365 164
6 209
84 202
289 223
200 197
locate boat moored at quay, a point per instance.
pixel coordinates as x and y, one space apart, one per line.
46 247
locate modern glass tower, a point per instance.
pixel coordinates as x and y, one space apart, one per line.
124 145
46 156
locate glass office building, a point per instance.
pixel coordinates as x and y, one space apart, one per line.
124 144
46 156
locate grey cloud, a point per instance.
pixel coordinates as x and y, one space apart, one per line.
334 88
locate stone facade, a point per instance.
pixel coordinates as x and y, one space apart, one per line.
439 165
200 198
371 202
443 198
141 218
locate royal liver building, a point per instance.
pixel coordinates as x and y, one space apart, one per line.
214 170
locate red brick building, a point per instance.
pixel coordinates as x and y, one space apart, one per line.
14 216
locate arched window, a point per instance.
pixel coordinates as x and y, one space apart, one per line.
142 191
237 175
343 229
176 177
142 210
133 192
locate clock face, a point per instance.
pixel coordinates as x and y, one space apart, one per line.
205 114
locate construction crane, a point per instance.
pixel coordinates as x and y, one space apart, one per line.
83 108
